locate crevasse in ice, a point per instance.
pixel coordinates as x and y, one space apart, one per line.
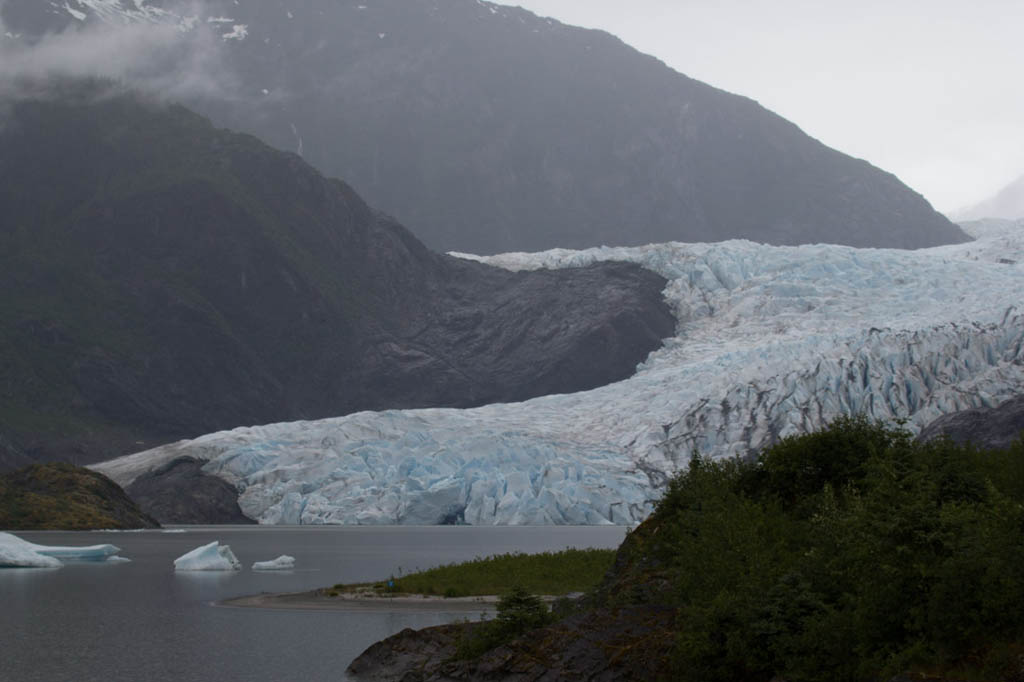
770 341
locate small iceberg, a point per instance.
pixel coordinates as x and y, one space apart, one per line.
211 557
18 553
281 563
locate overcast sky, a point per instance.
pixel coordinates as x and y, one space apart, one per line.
927 89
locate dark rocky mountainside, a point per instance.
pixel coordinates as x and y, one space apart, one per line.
179 492
984 427
164 279
486 128
65 497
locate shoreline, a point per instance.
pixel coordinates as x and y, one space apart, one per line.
313 600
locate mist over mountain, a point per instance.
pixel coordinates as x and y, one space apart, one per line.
1007 204
485 128
163 279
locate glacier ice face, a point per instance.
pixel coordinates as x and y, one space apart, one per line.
210 557
281 563
15 552
771 341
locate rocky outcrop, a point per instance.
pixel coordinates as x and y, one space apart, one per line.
163 279
407 655
486 128
603 644
62 496
985 427
179 492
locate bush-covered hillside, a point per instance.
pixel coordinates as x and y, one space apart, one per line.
849 554
65 497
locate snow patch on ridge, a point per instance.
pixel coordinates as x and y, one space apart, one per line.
771 341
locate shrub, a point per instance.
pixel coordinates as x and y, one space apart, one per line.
518 613
848 554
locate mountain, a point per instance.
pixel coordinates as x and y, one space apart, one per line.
163 279
179 492
65 497
486 128
1008 204
984 427
772 341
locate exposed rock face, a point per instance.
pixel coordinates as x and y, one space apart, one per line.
993 427
179 492
407 655
486 128
65 497
11 457
601 645
164 279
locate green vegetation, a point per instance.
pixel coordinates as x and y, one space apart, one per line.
65 497
854 553
518 613
552 573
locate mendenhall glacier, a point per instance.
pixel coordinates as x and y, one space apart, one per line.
771 341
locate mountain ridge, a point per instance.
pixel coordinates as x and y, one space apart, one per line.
551 135
164 278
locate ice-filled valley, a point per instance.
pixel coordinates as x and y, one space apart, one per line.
770 341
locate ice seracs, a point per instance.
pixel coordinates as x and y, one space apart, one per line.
210 557
771 341
281 563
18 553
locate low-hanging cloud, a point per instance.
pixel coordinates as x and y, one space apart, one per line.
169 59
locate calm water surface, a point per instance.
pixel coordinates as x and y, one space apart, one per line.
142 621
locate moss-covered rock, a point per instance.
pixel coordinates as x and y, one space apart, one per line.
65 497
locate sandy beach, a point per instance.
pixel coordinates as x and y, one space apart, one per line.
317 601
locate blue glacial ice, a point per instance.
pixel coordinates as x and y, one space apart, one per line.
210 557
18 553
771 341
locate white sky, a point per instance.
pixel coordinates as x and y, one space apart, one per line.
930 90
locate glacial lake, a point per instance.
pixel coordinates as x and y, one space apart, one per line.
142 621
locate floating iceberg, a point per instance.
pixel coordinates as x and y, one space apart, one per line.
281 563
18 553
771 341
211 557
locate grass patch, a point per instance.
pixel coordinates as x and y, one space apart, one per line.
553 573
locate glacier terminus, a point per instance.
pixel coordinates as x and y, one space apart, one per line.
771 341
